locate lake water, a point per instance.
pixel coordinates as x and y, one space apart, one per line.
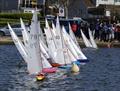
102 73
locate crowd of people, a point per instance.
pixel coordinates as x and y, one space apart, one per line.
101 30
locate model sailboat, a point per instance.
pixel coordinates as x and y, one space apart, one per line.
94 45
85 40
74 48
31 49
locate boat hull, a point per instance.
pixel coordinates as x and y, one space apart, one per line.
83 60
65 66
55 64
40 77
49 70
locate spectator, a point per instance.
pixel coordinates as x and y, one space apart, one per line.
92 28
117 32
97 30
74 27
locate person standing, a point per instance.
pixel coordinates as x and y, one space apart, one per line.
74 27
97 26
117 31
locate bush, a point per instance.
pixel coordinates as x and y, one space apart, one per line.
4 21
3 24
15 18
27 16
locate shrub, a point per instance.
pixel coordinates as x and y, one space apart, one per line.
27 16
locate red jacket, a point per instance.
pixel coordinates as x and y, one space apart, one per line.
117 29
74 27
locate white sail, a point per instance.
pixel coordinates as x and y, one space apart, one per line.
33 51
45 62
53 29
67 58
42 37
26 42
60 52
74 46
45 53
59 42
72 35
34 47
18 44
51 44
28 58
66 52
68 43
26 38
44 45
21 48
86 41
25 33
71 55
92 40
52 34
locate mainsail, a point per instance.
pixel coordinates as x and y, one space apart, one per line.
86 41
72 35
18 44
50 42
25 33
73 47
92 40
34 51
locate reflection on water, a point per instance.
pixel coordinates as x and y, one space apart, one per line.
102 73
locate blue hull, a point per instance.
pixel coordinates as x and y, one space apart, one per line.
65 66
83 60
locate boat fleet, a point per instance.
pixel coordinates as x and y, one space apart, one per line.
55 50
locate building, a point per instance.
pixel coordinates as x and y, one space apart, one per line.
78 8
15 5
6 5
108 8
93 8
30 3
107 2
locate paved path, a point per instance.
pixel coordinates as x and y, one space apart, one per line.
8 40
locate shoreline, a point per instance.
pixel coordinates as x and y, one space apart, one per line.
7 40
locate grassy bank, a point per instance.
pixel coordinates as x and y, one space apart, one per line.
14 18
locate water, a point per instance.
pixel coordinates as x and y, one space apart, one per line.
102 73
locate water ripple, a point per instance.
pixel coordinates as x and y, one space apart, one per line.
102 73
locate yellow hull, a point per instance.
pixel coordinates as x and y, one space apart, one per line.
75 68
40 78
